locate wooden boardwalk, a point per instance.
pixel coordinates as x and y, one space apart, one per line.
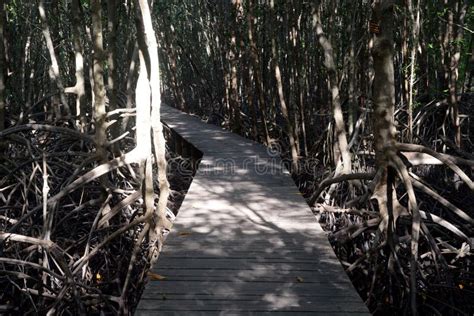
244 241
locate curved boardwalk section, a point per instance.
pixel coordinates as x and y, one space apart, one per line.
244 241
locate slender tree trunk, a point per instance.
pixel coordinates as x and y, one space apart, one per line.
352 109
284 111
98 75
260 90
79 88
404 62
113 75
156 233
265 61
25 68
2 68
281 96
415 31
303 116
383 89
383 95
456 37
342 150
143 114
233 61
131 76
174 71
301 76
250 98
54 70
112 78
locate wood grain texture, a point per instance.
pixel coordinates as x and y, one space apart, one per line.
244 242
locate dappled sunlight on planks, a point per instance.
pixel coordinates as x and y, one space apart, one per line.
244 240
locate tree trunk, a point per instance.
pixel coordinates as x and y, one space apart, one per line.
281 97
383 95
352 108
2 69
341 149
131 76
383 89
113 75
233 61
173 58
54 70
414 14
455 34
79 88
260 90
98 75
151 49
250 101
143 118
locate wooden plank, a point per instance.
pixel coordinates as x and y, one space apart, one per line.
248 275
236 233
288 304
305 277
246 297
241 263
242 313
260 254
310 277
331 294
244 260
257 287
228 294
209 245
244 241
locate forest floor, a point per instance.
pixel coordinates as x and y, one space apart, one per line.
79 233
77 224
446 280
441 292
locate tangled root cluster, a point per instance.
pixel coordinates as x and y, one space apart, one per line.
68 252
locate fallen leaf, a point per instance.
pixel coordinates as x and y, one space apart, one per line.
184 234
155 276
299 279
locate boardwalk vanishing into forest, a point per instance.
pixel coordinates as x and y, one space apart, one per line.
244 241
